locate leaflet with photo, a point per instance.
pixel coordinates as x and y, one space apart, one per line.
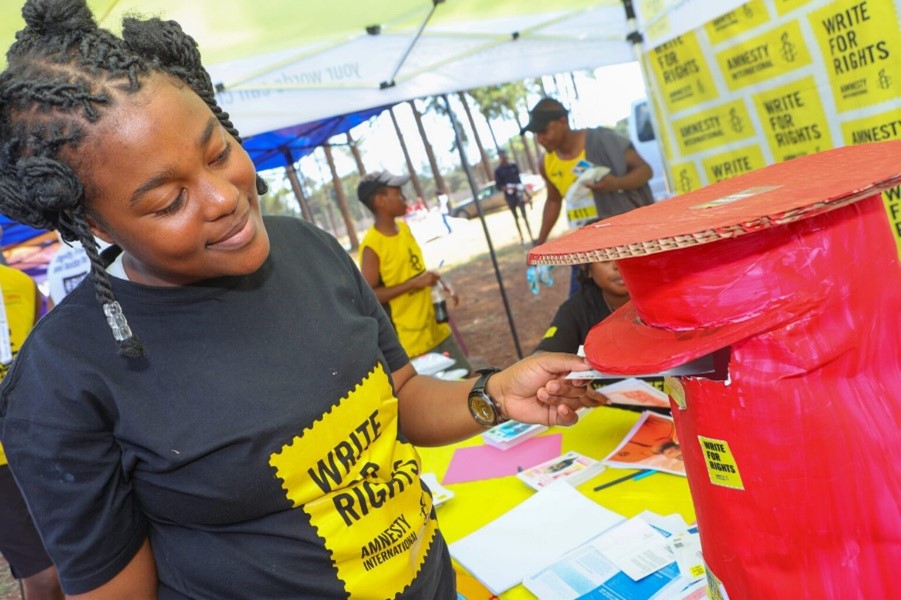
634 392
572 467
651 444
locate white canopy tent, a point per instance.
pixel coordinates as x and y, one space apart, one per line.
281 63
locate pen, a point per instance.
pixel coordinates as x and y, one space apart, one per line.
636 476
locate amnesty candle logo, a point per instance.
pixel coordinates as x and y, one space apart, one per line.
361 490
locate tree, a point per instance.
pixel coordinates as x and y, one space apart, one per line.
417 185
475 134
440 186
505 101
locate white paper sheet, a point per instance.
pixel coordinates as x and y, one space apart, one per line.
533 534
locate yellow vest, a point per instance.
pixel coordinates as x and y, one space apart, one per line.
563 174
400 259
20 301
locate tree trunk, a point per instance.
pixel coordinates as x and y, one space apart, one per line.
356 152
330 214
497 146
342 199
440 186
298 193
489 173
417 185
533 165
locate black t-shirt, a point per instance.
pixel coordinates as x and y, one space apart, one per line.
575 317
257 444
504 174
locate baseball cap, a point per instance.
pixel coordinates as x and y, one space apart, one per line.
543 113
371 182
716 266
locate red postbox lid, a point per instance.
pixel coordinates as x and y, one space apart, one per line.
755 202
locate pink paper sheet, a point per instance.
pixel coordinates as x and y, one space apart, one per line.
474 463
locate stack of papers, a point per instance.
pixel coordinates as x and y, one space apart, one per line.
535 533
509 434
636 560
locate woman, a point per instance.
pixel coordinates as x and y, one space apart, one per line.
236 417
601 291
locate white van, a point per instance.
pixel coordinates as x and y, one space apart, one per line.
641 133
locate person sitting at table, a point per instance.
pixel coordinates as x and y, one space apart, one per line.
602 291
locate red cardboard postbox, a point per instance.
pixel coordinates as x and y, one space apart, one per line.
790 276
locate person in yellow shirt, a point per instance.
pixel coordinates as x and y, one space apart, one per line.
20 542
569 153
393 265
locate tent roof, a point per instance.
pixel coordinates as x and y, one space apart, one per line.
283 62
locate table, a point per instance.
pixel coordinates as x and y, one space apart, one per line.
478 502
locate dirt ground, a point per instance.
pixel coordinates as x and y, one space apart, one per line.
481 318
463 259
9 587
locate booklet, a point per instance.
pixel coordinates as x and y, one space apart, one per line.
509 434
572 467
651 444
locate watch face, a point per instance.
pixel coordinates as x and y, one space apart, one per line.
482 410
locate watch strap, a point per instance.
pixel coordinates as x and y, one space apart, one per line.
478 390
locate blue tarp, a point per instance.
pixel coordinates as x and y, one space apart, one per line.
13 233
286 146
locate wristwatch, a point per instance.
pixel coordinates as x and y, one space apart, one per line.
485 409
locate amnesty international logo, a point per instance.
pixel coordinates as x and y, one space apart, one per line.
361 490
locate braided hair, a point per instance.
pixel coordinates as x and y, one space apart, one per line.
63 72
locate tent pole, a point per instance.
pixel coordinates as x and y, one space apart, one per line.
475 198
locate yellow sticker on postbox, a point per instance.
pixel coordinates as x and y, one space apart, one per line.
720 463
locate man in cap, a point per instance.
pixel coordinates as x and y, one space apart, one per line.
570 154
393 265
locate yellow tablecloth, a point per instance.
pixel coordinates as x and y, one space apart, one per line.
478 502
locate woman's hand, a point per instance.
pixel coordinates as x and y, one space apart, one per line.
535 390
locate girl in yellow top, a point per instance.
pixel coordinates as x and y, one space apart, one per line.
392 263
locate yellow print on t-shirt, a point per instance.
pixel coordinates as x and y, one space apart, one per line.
361 488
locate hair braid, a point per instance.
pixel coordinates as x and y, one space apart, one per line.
129 344
62 73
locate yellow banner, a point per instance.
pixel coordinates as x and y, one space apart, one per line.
681 72
768 55
793 119
718 125
686 177
876 128
744 18
786 6
726 165
860 45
